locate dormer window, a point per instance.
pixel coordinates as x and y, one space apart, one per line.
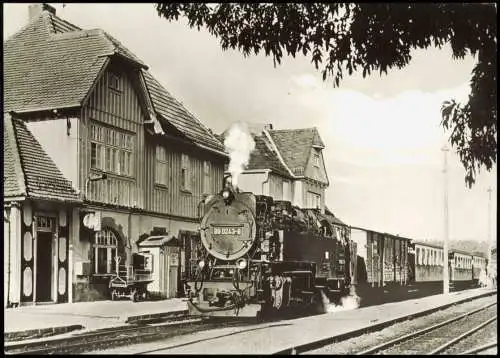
114 81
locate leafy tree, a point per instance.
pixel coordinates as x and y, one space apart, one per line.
343 38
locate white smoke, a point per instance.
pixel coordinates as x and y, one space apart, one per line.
239 143
347 303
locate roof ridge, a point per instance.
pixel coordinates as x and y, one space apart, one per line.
76 34
280 157
22 29
292 129
181 105
54 16
117 45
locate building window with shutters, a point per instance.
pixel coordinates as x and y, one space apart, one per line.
185 173
207 187
111 150
161 171
105 248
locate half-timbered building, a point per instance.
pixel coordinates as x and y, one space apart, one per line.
139 160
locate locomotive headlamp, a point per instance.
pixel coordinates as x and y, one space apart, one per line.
201 264
241 263
228 196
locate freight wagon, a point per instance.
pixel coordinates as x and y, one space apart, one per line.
382 264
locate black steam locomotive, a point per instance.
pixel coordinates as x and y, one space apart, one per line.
262 256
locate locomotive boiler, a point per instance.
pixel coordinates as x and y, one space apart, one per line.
262 256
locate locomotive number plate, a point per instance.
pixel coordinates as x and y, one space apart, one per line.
227 231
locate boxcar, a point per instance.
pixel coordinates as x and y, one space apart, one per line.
382 258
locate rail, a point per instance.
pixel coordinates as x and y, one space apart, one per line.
386 345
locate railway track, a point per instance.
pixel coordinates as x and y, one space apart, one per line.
119 336
481 349
442 337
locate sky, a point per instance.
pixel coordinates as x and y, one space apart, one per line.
382 133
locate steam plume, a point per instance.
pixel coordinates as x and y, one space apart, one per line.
239 143
347 303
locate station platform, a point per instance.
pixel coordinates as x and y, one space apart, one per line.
278 337
48 319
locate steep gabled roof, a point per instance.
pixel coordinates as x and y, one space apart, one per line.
51 63
294 145
28 170
263 157
175 113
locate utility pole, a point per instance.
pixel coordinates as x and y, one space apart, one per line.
446 286
490 243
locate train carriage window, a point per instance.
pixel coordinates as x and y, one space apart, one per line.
418 256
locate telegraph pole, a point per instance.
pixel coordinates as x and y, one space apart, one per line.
490 243
446 286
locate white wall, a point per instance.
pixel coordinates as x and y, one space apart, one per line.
254 182
63 149
298 195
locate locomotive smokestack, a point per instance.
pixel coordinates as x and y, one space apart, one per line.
239 143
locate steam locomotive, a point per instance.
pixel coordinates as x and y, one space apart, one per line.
262 256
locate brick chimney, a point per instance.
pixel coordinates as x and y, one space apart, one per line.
34 10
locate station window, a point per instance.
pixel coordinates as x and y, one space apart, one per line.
111 150
105 250
418 256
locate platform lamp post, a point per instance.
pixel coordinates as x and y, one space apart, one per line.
446 284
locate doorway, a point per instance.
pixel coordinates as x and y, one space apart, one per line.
44 267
